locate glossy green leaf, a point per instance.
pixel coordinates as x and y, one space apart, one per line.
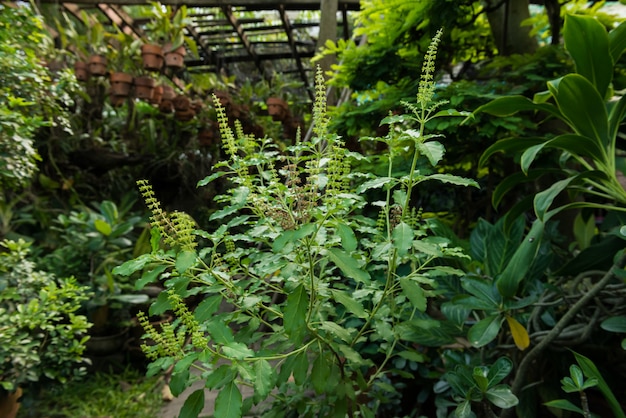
294 318
510 105
564 405
617 41
499 370
573 144
614 324
210 178
220 376
480 377
402 237
414 292
544 199
509 146
464 410
485 331
193 405
483 290
591 371
348 265
584 108
375 184
219 331
228 402
134 265
515 271
502 397
102 226
617 112
587 42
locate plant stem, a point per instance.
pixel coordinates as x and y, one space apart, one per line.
558 328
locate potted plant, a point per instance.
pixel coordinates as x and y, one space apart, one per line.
95 37
168 28
42 336
123 55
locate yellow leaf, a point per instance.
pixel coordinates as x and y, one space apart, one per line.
519 333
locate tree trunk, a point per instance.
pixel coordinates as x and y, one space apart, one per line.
328 31
505 18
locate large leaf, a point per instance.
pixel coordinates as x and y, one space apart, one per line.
193 405
483 290
591 371
584 108
294 318
510 105
485 331
617 111
509 146
414 292
450 179
320 372
348 265
617 41
228 402
499 370
520 263
502 397
574 144
587 42
432 150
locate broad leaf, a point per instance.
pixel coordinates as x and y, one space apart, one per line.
347 236
207 308
237 350
510 105
502 397
617 41
574 144
348 265
375 184
103 227
587 42
294 318
451 179
265 378
402 236
499 370
591 371
509 146
614 324
482 290
193 405
414 292
432 150
184 260
228 402
351 304
485 331
519 333
584 108
149 277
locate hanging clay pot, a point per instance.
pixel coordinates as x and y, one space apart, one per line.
185 115
182 103
81 71
277 108
117 101
97 65
157 95
167 105
152 56
121 84
144 87
174 58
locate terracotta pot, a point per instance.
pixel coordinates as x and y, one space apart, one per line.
97 65
81 71
10 403
102 345
182 103
117 101
166 106
168 93
174 58
206 137
144 87
157 95
152 56
277 108
121 84
185 115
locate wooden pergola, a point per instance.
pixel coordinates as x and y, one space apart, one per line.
253 37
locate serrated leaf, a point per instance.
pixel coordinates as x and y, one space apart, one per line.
228 402
451 179
237 350
352 305
134 265
432 150
184 260
375 184
209 179
193 405
320 373
207 308
149 277
219 332
220 376
402 237
300 368
347 236
414 292
519 333
179 382
265 378
348 265
294 318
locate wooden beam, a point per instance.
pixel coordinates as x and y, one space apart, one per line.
228 11
250 4
294 50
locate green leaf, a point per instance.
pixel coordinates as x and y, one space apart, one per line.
320 372
103 227
265 379
348 265
499 370
207 308
402 236
220 376
179 382
565 405
544 199
237 350
502 397
480 377
193 405
591 371
149 277
464 410
511 146
160 305
292 236
219 331
510 105
584 108
300 368
520 263
614 324
375 184
574 144
228 402
347 236
134 265
210 178
432 150
451 179
414 292
352 305
587 42
617 41
584 231
483 290
294 318
485 330
184 260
